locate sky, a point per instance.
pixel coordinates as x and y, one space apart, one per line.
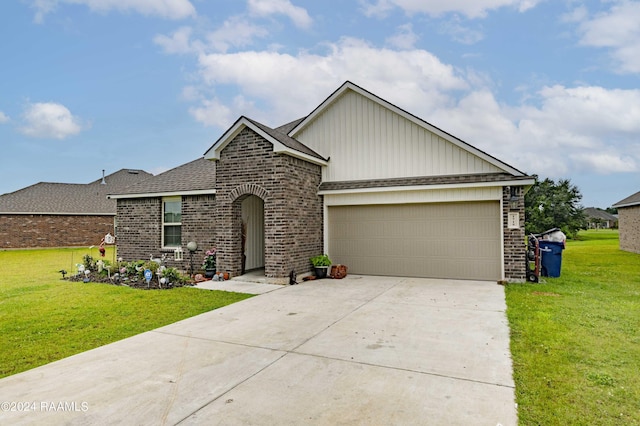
548 86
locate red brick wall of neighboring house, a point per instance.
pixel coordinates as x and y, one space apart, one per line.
629 226
43 231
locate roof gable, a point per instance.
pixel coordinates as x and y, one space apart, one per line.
372 115
282 143
630 201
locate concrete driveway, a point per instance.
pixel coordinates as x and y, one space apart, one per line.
362 350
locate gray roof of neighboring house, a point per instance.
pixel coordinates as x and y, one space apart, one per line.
632 200
197 175
70 198
596 213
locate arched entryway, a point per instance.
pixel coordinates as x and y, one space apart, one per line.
252 234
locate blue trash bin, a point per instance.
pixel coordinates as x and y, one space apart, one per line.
551 261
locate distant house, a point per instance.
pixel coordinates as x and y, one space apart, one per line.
373 186
62 214
600 219
629 222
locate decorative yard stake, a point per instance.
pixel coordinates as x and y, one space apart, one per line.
147 276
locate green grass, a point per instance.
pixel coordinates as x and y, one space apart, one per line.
575 340
43 319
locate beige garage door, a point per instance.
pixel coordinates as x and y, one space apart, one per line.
442 240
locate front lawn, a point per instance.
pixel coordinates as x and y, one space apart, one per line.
43 319
575 340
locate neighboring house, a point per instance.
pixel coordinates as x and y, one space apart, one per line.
600 219
62 214
373 186
629 222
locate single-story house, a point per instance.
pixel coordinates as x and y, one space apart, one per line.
600 219
373 186
629 222
51 214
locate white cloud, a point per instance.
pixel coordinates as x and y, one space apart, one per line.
571 130
459 32
235 32
179 42
49 120
606 163
170 9
619 31
417 77
404 38
298 15
469 8
3 117
213 112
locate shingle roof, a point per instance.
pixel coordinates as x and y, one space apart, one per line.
597 213
197 175
420 181
287 140
632 200
70 198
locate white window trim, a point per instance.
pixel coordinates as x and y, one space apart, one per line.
165 200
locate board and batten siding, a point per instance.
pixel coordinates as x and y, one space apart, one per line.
366 140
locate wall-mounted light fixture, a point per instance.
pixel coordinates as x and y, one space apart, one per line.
514 199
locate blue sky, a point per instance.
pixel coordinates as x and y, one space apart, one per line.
549 86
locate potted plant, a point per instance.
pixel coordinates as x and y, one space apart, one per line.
321 263
209 263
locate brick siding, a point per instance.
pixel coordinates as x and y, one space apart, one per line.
292 208
513 239
45 231
139 232
629 226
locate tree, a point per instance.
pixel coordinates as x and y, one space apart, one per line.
554 205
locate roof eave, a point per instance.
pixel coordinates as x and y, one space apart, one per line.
162 194
521 182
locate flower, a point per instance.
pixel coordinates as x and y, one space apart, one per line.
210 259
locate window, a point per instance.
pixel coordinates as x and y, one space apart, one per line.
171 222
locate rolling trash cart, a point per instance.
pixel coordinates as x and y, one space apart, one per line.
533 260
551 256
551 243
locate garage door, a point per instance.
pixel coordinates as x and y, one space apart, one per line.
441 240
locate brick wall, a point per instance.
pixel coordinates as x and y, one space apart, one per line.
139 232
198 224
36 231
513 239
629 226
292 208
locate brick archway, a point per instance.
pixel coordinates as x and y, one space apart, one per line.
248 189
